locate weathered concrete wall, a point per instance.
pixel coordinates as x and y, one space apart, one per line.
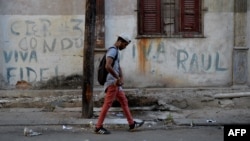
41 42
165 62
42 7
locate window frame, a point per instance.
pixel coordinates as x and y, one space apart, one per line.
199 33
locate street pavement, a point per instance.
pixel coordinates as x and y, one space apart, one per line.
67 124
115 117
206 123
56 133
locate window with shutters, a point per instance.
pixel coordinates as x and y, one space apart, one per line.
170 18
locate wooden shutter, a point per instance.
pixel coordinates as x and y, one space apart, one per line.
190 15
150 16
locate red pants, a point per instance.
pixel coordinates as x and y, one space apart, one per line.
112 93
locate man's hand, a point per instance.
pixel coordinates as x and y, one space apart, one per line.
119 81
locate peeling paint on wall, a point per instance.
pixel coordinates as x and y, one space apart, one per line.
37 48
148 50
164 64
143 49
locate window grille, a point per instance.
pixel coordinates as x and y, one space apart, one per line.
170 18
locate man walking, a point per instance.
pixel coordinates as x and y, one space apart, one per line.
113 86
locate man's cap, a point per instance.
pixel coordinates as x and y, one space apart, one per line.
125 37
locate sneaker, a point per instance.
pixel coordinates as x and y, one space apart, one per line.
135 125
101 131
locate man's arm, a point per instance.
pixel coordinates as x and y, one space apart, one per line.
110 69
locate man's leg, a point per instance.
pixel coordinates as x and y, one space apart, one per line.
109 98
124 104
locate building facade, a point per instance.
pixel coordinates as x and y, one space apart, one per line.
175 43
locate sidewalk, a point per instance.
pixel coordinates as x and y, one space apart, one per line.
153 119
205 109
